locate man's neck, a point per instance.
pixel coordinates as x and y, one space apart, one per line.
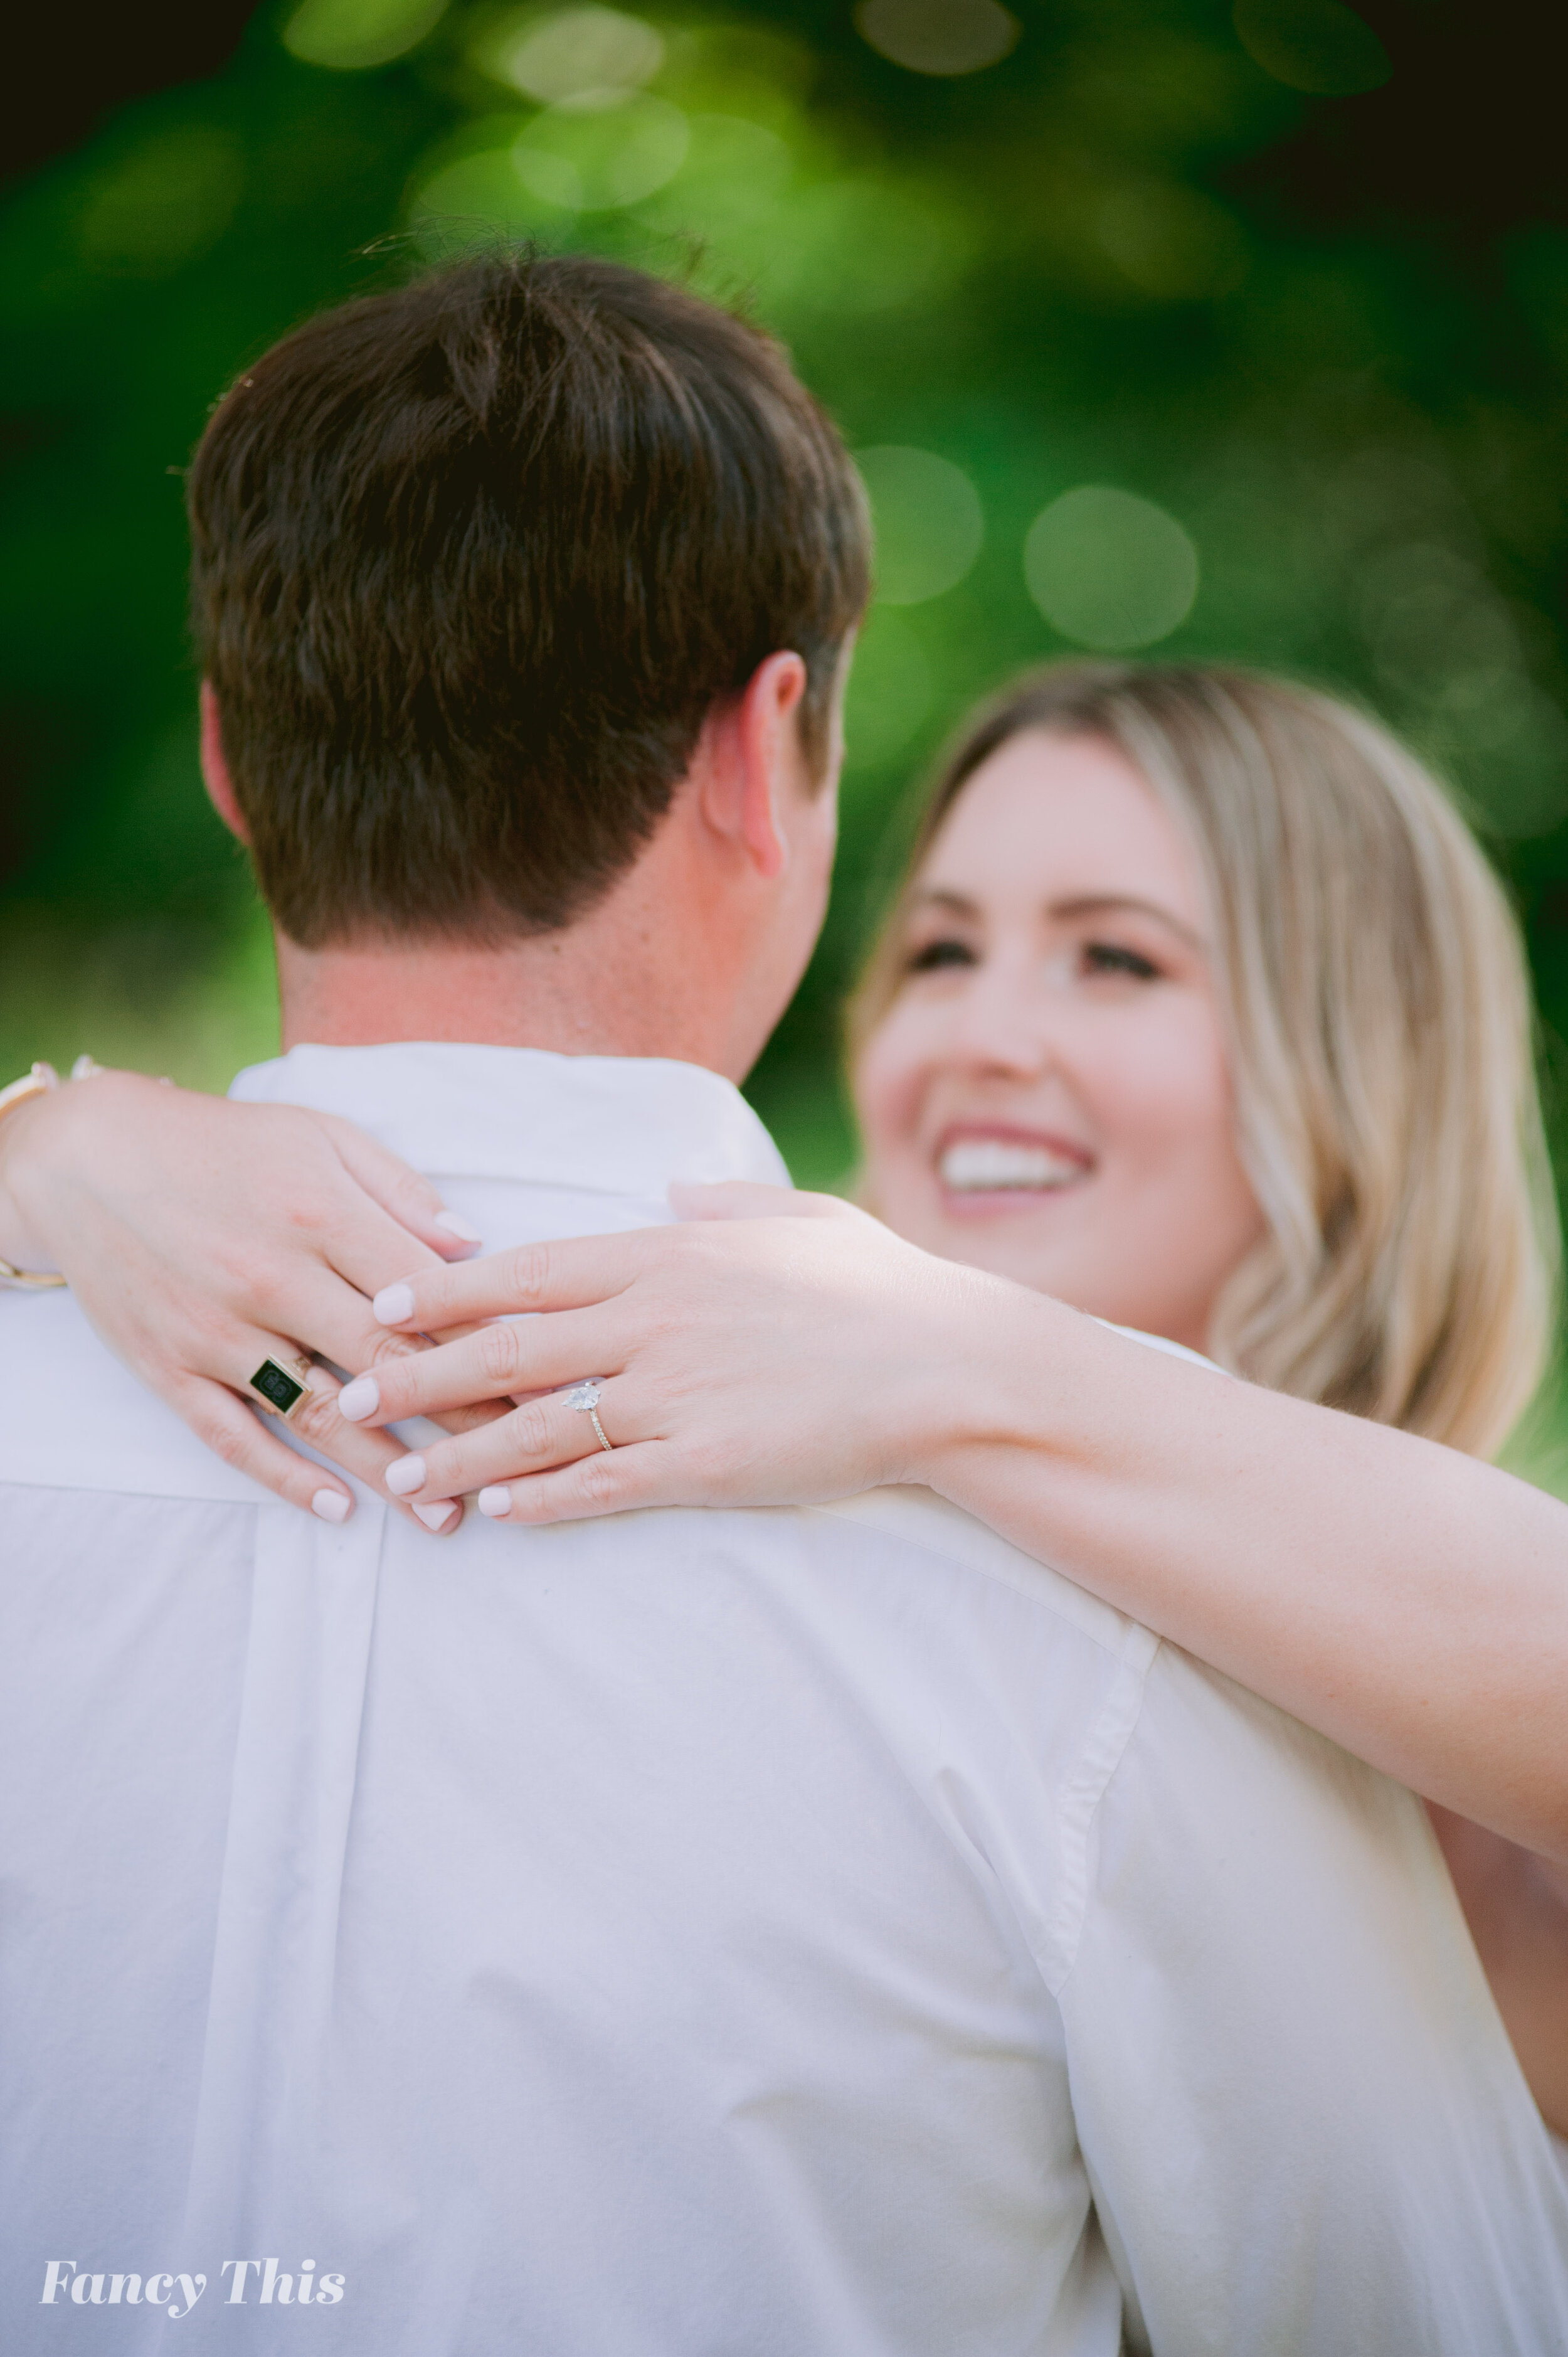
613 984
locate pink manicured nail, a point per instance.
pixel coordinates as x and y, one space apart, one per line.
496 1501
359 1399
393 1304
331 1505
407 1474
455 1225
434 1518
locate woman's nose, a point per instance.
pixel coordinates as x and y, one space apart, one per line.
1004 1025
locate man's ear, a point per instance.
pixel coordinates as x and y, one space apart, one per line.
215 768
755 763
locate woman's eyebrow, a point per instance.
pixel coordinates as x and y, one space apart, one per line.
1097 904
955 904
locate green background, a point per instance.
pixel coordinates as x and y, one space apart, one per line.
1274 299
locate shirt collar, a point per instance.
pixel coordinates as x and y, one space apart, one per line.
609 1124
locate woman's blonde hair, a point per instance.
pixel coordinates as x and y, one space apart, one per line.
1381 1040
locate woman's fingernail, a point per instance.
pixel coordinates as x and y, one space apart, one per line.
455 1225
435 1518
359 1399
495 1501
407 1474
393 1304
332 1505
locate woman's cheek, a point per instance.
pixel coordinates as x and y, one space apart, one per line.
1168 1085
890 1085
1176 1119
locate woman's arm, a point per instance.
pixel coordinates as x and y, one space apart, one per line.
1404 1599
202 1236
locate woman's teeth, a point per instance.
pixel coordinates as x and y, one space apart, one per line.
977 1166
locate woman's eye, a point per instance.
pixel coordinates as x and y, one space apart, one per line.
1110 957
935 954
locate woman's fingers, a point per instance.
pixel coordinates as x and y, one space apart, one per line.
775 1357
332 1318
540 1433
402 1193
335 1321
364 1242
557 1276
496 1361
316 1421
232 1432
599 1484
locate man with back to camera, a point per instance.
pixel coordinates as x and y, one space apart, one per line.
809 1932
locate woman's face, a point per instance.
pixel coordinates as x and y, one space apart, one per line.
1048 1096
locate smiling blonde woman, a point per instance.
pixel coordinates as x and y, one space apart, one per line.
1200 1011
1376 1019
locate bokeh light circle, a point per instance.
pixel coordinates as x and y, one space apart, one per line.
1313 45
938 37
857 246
1109 570
929 522
734 173
601 150
349 34
579 49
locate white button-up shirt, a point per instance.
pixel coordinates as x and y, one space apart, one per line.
827 1933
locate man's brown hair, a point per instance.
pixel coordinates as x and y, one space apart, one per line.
474 559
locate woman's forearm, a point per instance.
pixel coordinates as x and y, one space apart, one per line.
1404 1599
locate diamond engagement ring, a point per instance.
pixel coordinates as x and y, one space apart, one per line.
585 1398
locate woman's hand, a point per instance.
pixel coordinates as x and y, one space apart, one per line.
779 1348
201 1236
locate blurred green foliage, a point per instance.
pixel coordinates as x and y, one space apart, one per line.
1135 352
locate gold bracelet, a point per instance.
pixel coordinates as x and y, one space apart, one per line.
36 1084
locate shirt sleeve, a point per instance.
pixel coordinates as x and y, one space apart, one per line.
1299 2111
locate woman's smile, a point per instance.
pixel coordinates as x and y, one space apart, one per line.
989 1167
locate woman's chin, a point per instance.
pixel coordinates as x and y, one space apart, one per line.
1037 1237
976 1206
